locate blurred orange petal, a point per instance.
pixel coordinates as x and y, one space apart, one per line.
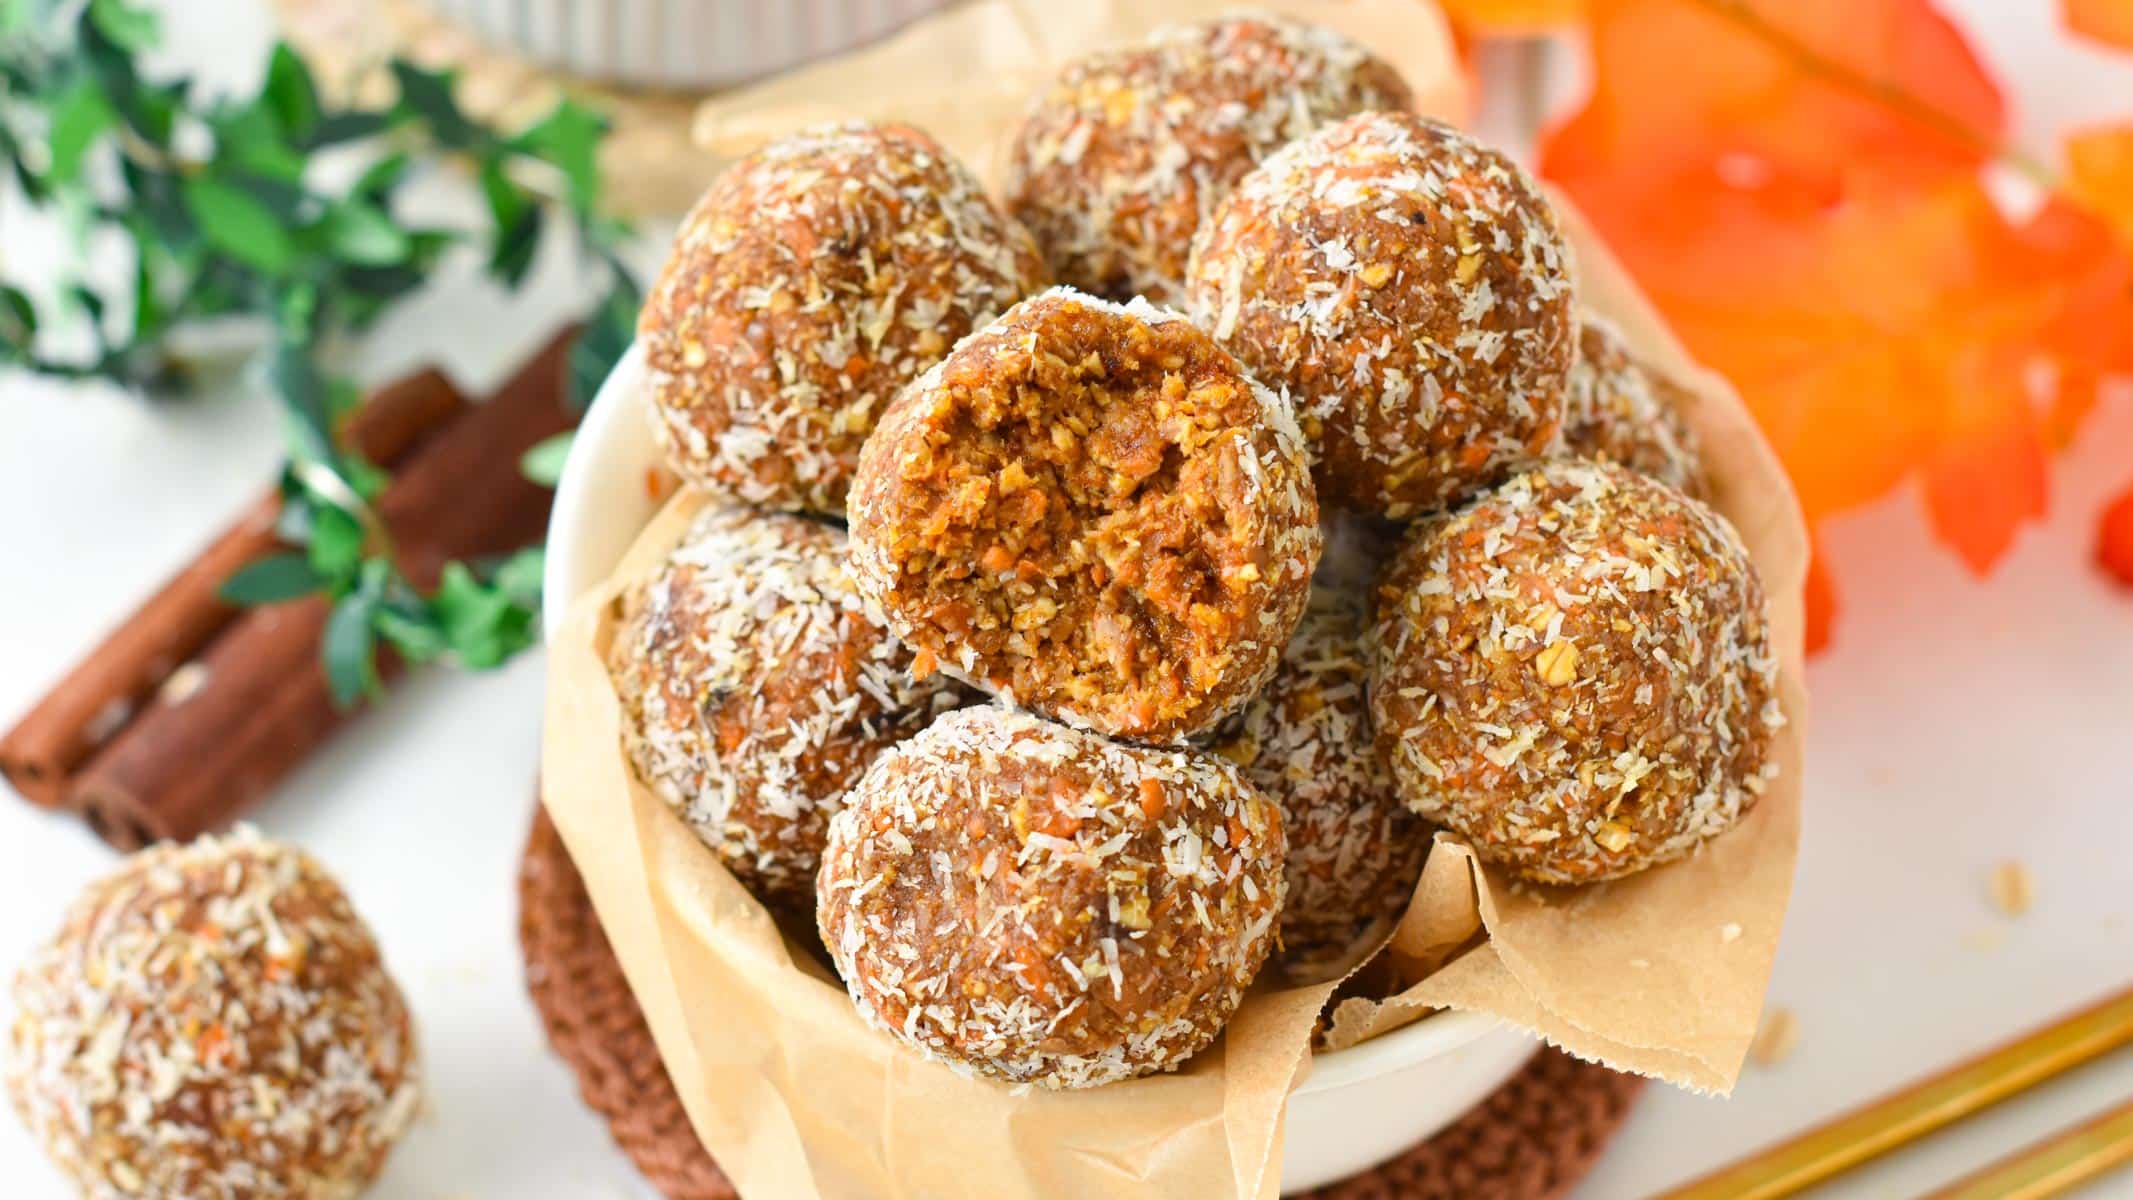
1513 17
2114 537
2105 20
2099 170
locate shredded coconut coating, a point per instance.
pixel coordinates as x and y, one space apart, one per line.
814 280
1034 904
1355 851
756 687
1410 289
1120 160
1088 509
1575 674
1620 410
213 1022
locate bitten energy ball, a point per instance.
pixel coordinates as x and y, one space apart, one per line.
1089 507
1035 904
1410 290
213 1021
1574 672
816 278
1305 741
1622 411
1122 157
755 688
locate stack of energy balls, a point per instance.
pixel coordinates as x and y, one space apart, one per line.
1015 647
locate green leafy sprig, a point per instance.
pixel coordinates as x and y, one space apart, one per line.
220 206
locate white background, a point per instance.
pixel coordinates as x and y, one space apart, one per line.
1956 723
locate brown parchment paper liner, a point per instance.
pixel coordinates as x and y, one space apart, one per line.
1661 974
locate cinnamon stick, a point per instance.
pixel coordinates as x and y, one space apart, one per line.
256 702
83 711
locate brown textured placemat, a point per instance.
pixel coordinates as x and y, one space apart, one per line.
1531 1140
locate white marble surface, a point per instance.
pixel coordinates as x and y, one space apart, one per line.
1956 723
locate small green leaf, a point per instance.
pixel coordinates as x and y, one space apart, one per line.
568 138
239 225
130 28
79 117
428 95
361 233
18 317
519 576
250 141
306 401
290 93
603 341
411 632
381 177
271 580
347 648
337 127
543 464
512 255
336 549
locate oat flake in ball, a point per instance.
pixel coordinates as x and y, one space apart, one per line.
813 280
755 688
1035 904
1410 289
1120 159
1090 508
213 1022
1620 410
1355 851
1574 673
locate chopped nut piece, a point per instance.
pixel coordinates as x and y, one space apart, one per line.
1557 663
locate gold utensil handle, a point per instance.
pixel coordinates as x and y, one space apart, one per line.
2046 1168
1913 1111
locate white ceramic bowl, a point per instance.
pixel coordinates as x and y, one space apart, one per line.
1356 1108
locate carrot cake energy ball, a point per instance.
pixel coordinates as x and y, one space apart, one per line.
755 688
1035 904
1123 156
816 278
213 1021
1410 290
1091 509
1354 850
1620 410
1575 674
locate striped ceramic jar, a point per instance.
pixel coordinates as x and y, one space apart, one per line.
687 44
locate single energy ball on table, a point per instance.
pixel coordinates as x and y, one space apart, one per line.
1620 410
213 1020
1035 904
1574 673
1123 155
814 279
1305 741
1409 288
1089 508
756 688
